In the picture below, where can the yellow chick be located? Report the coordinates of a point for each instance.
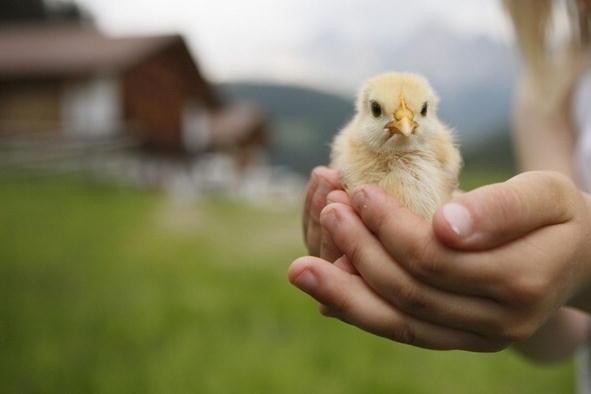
(396, 141)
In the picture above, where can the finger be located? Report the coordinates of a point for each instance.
(310, 191)
(411, 242)
(350, 299)
(339, 196)
(314, 238)
(327, 181)
(344, 263)
(316, 176)
(497, 214)
(324, 180)
(328, 250)
(398, 287)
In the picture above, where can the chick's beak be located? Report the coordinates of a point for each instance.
(402, 120)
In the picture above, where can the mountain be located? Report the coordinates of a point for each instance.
(473, 75)
(302, 120)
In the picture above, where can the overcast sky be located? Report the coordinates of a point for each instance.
(272, 39)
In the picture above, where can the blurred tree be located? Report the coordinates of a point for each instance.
(22, 10)
(62, 10)
(19, 11)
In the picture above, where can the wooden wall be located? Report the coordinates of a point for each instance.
(31, 106)
(156, 91)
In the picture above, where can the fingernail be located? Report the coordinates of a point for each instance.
(360, 198)
(329, 218)
(306, 281)
(329, 199)
(458, 218)
(323, 189)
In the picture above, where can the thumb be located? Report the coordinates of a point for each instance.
(496, 214)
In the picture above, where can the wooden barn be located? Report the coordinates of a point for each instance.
(75, 81)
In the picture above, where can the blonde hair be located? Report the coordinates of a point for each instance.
(553, 36)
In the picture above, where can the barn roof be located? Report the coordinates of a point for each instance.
(59, 50)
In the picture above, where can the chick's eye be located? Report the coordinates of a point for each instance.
(376, 109)
(424, 109)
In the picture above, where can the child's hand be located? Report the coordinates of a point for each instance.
(492, 267)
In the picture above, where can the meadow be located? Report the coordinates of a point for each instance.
(107, 289)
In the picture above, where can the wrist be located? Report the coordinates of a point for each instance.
(558, 338)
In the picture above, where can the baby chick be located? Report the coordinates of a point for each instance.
(396, 141)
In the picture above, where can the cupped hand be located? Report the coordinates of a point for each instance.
(491, 268)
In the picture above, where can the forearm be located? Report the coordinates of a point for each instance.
(558, 338)
(582, 297)
(543, 139)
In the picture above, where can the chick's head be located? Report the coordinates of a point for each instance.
(396, 110)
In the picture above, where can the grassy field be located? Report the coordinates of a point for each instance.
(105, 289)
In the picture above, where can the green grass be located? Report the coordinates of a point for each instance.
(108, 290)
